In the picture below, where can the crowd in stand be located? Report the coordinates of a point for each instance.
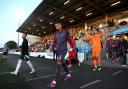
(41, 45)
(76, 34)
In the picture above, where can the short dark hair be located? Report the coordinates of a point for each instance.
(58, 23)
(97, 29)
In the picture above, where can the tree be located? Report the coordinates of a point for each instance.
(11, 44)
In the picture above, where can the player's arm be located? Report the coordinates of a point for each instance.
(70, 40)
(102, 33)
(79, 41)
(53, 44)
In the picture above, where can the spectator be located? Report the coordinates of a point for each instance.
(124, 49)
(110, 48)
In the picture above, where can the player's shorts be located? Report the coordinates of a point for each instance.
(96, 51)
(61, 55)
(24, 57)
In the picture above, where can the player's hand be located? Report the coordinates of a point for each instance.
(102, 30)
(86, 32)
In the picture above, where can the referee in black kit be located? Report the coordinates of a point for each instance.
(24, 56)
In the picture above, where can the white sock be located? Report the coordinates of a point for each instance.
(30, 65)
(95, 66)
(18, 66)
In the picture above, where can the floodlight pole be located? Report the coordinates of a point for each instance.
(18, 33)
(18, 38)
(18, 14)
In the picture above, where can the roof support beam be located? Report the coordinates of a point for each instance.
(92, 4)
(53, 7)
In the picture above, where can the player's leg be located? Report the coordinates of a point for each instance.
(60, 63)
(57, 73)
(68, 75)
(99, 63)
(94, 63)
(94, 59)
(98, 58)
(18, 66)
(27, 59)
(70, 63)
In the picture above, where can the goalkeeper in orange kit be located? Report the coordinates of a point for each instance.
(96, 48)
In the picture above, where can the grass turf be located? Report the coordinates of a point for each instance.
(8, 81)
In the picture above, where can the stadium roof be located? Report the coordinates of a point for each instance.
(69, 12)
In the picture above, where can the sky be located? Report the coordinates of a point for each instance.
(12, 14)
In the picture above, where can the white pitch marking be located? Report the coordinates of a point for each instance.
(89, 84)
(36, 69)
(44, 77)
(4, 73)
(117, 72)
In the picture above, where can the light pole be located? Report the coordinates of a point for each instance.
(19, 14)
(18, 32)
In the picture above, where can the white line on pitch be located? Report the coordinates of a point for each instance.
(89, 84)
(117, 72)
(4, 73)
(44, 77)
(36, 69)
